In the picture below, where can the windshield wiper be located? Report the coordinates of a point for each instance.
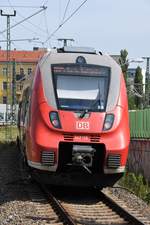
(92, 104)
(83, 113)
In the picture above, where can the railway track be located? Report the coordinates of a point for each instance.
(24, 201)
(90, 208)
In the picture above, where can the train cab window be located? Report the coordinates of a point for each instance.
(81, 87)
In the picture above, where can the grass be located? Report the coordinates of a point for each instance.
(137, 184)
(8, 134)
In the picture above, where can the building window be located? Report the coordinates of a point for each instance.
(29, 71)
(21, 71)
(1, 117)
(4, 100)
(18, 77)
(4, 71)
(4, 85)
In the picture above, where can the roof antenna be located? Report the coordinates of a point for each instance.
(65, 41)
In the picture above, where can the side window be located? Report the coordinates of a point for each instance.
(25, 106)
(22, 114)
(19, 114)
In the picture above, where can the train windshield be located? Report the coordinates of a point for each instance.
(79, 87)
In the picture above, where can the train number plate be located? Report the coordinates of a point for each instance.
(81, 138)
(82, 125)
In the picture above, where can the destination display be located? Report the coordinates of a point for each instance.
(81, 70)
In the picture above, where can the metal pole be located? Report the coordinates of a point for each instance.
(147, 82)
(14, 92)
(8, 118)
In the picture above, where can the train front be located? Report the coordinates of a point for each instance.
(79, 119)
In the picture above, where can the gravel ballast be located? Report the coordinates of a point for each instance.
(131, 200)
(16, 206)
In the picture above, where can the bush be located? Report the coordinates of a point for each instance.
(136, 184)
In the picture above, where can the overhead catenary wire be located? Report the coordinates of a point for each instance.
(21, 6)
(34, 25)
(44, 2)
(65, 11)
(47, 30)
(12, 41)
(66, 20)
(23, 39)
(39, 11)
(27, 28)
(16, 46)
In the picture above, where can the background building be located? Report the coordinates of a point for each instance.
(21, 64)
(132, 71)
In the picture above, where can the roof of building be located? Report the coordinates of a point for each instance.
(22, 56)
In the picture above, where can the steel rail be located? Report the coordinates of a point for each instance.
(56, 205)
(120, 210)
(67, 219)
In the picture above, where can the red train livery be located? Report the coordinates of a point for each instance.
(73, 118)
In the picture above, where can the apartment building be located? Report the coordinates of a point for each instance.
(21, 64)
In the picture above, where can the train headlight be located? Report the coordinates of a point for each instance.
(54, 118)
(108, 123)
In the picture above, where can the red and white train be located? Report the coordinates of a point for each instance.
(73, 118)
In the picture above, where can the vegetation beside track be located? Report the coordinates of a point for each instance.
(137, 184)
(10, 132)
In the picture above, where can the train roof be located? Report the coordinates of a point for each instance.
(72, 50)
(69, 55)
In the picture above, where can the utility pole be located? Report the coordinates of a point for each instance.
(13, 91)
(9, 108)
(147, 81)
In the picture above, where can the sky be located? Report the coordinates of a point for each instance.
(107, 25)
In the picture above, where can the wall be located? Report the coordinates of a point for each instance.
(24, 65)
(139, 152)
(139, 157)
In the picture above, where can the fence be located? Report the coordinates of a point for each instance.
(139, 154)
(140, 124)
(10, 118)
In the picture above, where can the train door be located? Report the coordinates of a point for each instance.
(24, 105)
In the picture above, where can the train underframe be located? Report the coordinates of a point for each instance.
(79, 164)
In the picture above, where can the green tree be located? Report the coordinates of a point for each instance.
(123, 61)
(138, 86)
(131, 102)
